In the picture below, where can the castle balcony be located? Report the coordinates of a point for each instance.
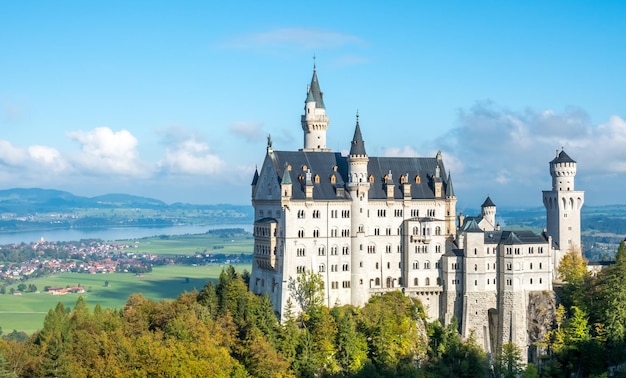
(421, 239)
(265, 262)
(413, 291)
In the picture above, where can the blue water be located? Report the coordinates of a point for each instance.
(114, 233)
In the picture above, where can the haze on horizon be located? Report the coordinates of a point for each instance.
(174, 100)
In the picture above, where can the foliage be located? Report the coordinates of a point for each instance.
(508, 363)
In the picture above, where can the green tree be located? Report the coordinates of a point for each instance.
(573, 266)
(394, 328)
(351, 345)
(613, 298)
(307, 290)
(508, 363)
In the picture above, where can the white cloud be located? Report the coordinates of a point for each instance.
(496, 149)
(108, 152)
(405, 151)
(11, 155)
(293, 38)
(48, 158)
(32, 160)
(187, 153)
(250, 131)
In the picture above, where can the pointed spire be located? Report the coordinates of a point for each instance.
(449, 188)
(358, 145)
(488, 203)
(286, 180)
(314, 94)
(255, 179)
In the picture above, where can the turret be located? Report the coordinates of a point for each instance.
(488, 212)
(358, 186)
(314, 120)
(563, 171)
(285, 184)
(563, 205)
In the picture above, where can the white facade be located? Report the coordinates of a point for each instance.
(369, 225)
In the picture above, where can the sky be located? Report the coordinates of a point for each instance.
(174, 100)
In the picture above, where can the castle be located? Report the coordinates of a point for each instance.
(368, 225)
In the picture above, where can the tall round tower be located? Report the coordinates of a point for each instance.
(563, 205)
(358, 185)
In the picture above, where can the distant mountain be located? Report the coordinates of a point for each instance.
(28, 201)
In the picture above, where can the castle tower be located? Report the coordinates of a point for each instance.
(563, 205)
(488, 211)
(314, 120)
(358, 185)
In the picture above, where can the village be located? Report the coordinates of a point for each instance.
(22, 262)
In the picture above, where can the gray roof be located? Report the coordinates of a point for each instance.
(488, 203)
(449, 188)
(471, 225)
(327, 164)
(514, 237)
(314, 93)
(255, 179)
(286, 179)
(562, 157)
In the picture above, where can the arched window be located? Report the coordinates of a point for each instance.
(416, 281)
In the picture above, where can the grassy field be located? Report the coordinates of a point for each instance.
(26, 312)
(193, 244)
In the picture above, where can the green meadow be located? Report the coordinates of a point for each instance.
(192, 244)
(26, 312)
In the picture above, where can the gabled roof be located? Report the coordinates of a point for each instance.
(562, 157)
(514, 237)
(471, 226)
(314, 93)
(328, 164)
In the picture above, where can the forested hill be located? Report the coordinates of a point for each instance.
(30, 209)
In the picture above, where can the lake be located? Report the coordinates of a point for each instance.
(112, 233)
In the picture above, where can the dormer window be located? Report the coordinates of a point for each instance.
(417, 179)
(304, 168)
(371, 179)
(317, 179)
(333, 179)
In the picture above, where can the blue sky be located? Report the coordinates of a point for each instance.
(173, 100)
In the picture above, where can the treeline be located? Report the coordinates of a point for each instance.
(588, 338)
(226, 331)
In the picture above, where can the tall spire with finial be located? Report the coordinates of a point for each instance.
(358, 145)
(314, 120)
